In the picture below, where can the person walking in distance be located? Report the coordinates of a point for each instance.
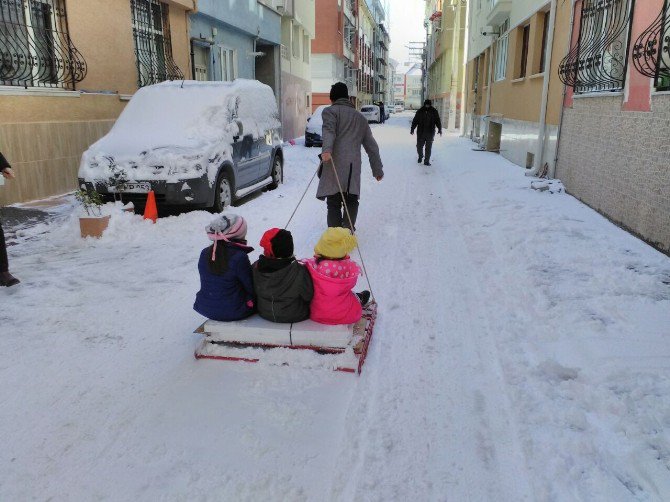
(426, 120)
(345, 130)
(6, 279)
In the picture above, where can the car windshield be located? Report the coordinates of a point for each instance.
(367, 109)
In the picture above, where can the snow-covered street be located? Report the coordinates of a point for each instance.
(522, 352)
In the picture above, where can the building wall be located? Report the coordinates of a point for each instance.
(624, 175)
(516, 101)
(43, 132)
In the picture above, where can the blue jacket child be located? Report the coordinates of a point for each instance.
(226, 285)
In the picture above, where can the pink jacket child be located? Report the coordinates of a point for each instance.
(334, 276)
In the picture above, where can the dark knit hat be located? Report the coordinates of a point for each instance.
(277, 243)
(428, 102)
(339, 91)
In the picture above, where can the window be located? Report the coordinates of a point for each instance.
(500, 71)
(525, 39)
(296, 41)
(228, 64)
(35, 47)
(153, 46)
(305, 48)
(598, 61)
(651, 52)
(545, 32)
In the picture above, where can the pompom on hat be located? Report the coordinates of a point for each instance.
(277, 243)
(336, 242)
(226, 227)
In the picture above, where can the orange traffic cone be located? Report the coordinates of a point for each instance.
(150, 210)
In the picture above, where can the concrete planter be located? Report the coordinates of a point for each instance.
(93, 226)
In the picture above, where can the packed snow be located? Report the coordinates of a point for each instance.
(521, 352)
(178, 130)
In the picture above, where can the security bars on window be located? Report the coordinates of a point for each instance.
(651, 52)
(153, 47)
(598, 61)
(35, 48)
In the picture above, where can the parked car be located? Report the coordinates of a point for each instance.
(371, 112)
(202, 144)
(387, 112)
(314, 128)
(399, 108)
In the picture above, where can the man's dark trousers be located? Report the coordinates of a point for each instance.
(337, 216)
(428, 142)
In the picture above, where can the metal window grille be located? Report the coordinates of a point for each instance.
(35, 48)
(651, 52)
(598, 61)
(153, 47)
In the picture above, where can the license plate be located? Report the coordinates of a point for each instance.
(136, 187)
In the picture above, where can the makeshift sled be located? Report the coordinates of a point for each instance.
(307, 343)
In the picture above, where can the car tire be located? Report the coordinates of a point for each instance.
(308, 145)
(277, 172)
(223, 197)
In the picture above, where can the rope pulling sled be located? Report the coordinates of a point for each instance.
(307, 343)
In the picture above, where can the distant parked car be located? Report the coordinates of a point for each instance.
(314, 128)
(372, 113)
(399, 108)
(387, 112)
(202, 144)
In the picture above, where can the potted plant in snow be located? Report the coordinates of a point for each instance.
(117, 182)
(93, 224)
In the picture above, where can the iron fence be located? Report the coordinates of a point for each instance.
(35, 47)
(153, 45)
(651, 51)
(599, 59)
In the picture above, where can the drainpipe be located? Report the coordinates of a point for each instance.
(552, 168)
(465, 92)
(545, 93)
(487, 114)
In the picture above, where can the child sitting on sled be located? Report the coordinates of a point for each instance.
(226, 287)
(335, 275)
(283, 285)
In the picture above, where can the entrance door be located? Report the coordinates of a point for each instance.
(201, 63)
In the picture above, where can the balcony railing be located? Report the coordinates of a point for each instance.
(651, 52)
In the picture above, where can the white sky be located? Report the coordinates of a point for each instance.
(406, 26)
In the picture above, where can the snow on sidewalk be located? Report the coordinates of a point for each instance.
(521, 353)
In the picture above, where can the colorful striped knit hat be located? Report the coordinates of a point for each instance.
(226, 227)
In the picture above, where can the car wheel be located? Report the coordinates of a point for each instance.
(277, 168)
(308, 145)
(224, 193)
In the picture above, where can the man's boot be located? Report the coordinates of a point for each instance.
(7, 279)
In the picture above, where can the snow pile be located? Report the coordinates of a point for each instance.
(180, 130)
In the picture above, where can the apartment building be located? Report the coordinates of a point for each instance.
(236, 39)
(334, 49)
(409, 85)
(614, 147)
(445, 25)
(68, 68)
(297, 33)
(366, 55)
(513, 91)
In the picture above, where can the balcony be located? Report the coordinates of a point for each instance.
(500, 10)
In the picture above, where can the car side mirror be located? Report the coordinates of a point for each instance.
(237, 129)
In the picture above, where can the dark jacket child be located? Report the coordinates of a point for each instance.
(283, 285)
(226, 288)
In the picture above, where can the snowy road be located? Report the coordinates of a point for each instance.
(522, 352)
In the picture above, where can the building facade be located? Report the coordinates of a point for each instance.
(366, 56)
(445, 25)
(334, 49)
(297, 33)
(409, 85)
(614, 147)
(513, 91)
(62, 87)
(236, 39)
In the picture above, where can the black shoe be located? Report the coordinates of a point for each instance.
(7, 279)
(427, 163)
(420, 159)
(363, 297)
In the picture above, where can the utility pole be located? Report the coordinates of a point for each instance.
(417, 52)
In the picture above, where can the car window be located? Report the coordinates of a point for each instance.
(367, 109)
